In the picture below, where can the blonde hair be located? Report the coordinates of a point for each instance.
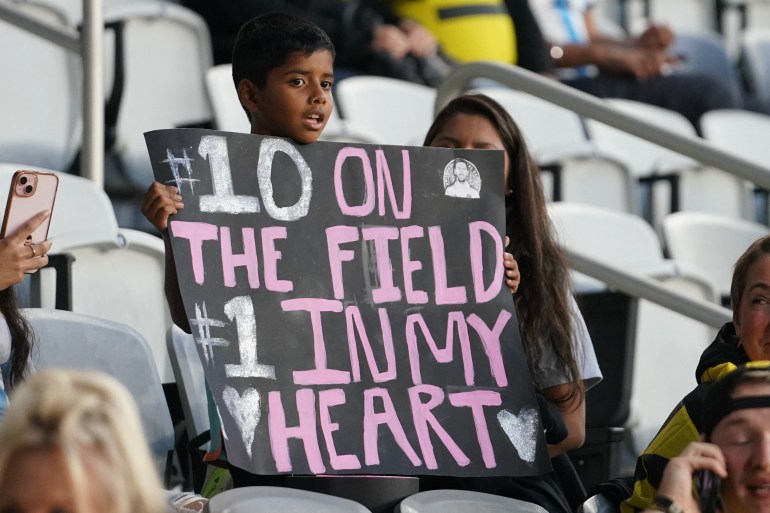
(93, 420)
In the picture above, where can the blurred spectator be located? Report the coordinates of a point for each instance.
(633, 68)
(73, 441)
(560, 37)
(368, 37)
(496, 30)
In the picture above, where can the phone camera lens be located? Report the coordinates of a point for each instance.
(23, 180)
(28, 189)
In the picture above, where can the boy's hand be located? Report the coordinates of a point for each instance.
(16, 257)
(512, 274)
(160, 202)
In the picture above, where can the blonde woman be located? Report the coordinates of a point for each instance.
(72, 442)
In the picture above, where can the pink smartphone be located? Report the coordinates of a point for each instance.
(31, 192)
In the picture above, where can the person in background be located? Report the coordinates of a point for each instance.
(368, 37)
(556, 342)
(481, 30)
(738, 342)
(730, 462)
(632, 68)
(73, 442)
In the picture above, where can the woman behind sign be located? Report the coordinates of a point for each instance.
(559, 350)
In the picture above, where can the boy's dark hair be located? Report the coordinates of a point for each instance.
(267, 41)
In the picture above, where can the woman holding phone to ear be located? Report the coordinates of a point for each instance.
(16, 259)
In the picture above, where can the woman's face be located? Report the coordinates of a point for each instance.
(752, 321)
(470, 131)
(35, 482)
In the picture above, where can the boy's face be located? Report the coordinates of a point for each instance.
(296, 101)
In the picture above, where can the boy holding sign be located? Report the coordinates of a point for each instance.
(383, 309)
(283, 74)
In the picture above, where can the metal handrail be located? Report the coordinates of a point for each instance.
(62, 36)
(646, 288)
(592, 107)
(92, 159)
(89, 45)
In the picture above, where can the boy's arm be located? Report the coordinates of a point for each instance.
(171, 287)
(160, 202)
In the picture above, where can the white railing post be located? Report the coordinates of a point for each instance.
(92, 156)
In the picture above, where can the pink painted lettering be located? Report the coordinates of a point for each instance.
(477, 261)
(444, 295)
(367, 207)
(280, 433)
(455, 322)
(326, 400)
(387, 417)
(387, 291)
(321, 375)
(271, 255)
(335, 236)
(385, 181)
(247, 259)
(490, 340)
(441, 355)
(196, 233)
(423, 417)
(413, 297)
(355, 325)
(476, 400)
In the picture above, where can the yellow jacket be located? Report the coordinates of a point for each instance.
(468, 30)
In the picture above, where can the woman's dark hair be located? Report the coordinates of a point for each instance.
(542, 305)
(21, 336)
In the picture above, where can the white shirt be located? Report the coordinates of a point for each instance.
(583, 349)
(563, 22)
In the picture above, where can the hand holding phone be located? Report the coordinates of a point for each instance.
(708, 486)
(18, 258)
(31, 193)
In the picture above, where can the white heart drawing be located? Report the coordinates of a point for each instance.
(521, 430)
(246, 409)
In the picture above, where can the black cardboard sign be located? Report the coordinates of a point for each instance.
(348, 305)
